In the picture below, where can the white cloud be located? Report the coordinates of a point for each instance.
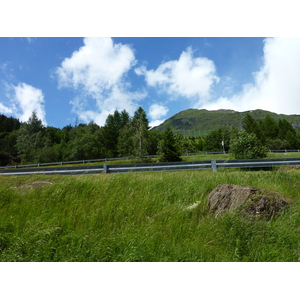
(190, 77)
(155, 123)
(156, 112)
(97, 70)
(23, 100)
(7, 71)
(116, 99)
(5, 110)
(276, 85)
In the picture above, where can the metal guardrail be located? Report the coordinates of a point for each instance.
(121, 158)
(174, 166)
(208, 164)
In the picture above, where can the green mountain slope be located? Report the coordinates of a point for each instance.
(195, 122)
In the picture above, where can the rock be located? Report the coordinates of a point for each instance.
(250, 201)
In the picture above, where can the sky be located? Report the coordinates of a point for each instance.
(75, 79)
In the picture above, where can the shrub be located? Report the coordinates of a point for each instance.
(247, 146)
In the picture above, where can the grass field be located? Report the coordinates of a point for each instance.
(142, 217)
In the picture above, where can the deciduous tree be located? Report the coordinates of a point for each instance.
(247, 146)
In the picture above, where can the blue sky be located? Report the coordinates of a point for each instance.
(88, 78)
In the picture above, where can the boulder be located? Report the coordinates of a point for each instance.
(247, 199)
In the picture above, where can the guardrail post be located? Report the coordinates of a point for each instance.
(105, 168)
(214, 165)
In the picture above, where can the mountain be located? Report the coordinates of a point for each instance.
(198, 122)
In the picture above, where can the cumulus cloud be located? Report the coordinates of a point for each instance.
(5, 110)
(115, 100)
(156, 112)
(23, 100)
(189, 76)
(98, 70)
(276, 85)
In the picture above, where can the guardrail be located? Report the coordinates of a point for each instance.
(207, 164)
(122, 158)
(173, 166)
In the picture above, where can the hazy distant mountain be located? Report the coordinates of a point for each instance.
(195, 122)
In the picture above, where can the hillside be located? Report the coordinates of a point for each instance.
(149, 217)
(195, 122)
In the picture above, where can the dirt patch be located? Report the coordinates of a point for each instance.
(247, 200)
(35, 184)
(288, 168)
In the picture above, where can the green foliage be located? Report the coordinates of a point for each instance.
(251, 126)
(125, 146)
(8, 150)
(111, 130)
(213, 140)
(269, 127)
(140, 127)
(154, 137)
(284, 127)
(8, 124)
(126, 136)
(247, 146)
(134, 138)
(277, 144)
(168, 150)
(30, 138)
(188, 144)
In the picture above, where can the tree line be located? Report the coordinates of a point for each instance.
(126, 136)
(121, 136)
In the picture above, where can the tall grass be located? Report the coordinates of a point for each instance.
(142, 217)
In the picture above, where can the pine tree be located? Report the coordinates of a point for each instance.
(251, 126)
(111, 130)
(167, 147)
(140, 125)
(270, 128)
(30, 137)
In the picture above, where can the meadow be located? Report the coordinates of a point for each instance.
(193, 157)
(147, 216)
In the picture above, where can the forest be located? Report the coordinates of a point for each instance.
(130, 136)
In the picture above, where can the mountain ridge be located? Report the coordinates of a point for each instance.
(198, 122)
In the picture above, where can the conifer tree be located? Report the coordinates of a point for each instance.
(30, 137)
(167, 147)
(270, 128)
(111, 130)
(140, 125)
(251, 126)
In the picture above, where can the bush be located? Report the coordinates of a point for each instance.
(247, 146)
